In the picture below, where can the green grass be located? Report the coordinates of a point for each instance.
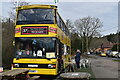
(5, 70)
(89, 70)
(117, 60)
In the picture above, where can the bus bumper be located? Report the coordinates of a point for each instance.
(41, 71)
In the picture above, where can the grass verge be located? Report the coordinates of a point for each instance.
(5, 70)
(117, 60)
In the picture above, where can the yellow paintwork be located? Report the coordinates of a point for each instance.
(38, 61)
(37, 6)
(60, 35)
(102, 54)
(41, 71)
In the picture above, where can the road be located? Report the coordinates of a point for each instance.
(105, 68)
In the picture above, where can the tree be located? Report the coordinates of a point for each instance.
(113, 38)
(8, 28)
(70, 26)
(116, 47)
(16, 3)
(87, 28)
(75, 39)
(75, 43)
(7, 39)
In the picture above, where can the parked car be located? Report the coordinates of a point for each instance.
(88, 53)
(113, 53)
(108, 52)
(103, 54)
(117, 55)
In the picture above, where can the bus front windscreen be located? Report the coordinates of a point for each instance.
(35, 16)
(35, 47)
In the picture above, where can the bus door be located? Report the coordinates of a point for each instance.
(60, 53)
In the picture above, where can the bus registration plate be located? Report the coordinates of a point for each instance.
(33, 71)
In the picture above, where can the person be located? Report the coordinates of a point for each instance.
(77, 58)
(19, 53)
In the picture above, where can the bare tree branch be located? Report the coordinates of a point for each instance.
(88, 27)
(15, 4)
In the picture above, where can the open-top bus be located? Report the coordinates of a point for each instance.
(42, 42)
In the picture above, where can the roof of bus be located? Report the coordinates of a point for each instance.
(37, 6)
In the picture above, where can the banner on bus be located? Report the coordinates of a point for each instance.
(34, 30)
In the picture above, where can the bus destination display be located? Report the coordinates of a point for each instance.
(35, 30)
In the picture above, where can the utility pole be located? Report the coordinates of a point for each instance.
(118, 40)
(1, 42)
(87, 43)
(82, 43)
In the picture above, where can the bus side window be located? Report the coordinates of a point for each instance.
(58, 21)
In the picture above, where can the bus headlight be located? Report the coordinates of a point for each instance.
(16, 65)
(51, 66)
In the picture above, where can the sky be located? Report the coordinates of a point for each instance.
(106, 11)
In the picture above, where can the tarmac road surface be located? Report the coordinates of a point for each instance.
(105, 69)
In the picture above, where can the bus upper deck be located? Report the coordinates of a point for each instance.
(40, 21)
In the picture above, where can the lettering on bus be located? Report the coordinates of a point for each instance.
(35, 30)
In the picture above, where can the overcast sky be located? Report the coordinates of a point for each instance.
(106, 11)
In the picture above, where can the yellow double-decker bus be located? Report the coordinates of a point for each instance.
(42, 42)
